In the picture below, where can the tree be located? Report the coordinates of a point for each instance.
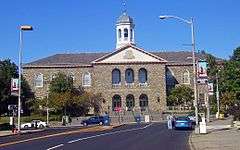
(66, 98)
(236, 55)
(9, 70)
(180, 95)
(229, 82)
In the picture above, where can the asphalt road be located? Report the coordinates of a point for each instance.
(154, 136)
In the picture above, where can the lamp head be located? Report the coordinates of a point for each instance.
(26, 27)
(162, 17)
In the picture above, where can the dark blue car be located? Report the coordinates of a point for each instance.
(183, 122)
(94, 120)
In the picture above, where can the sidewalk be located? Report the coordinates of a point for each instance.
(220, 136)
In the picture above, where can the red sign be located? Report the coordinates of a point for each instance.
(117, 109)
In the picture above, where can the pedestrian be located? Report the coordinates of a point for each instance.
(169, 118)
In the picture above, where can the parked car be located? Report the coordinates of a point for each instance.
(93, 120)
(183, 122)
(34, 124)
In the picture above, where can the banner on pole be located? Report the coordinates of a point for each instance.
(202, 69)
(14, 87)
(210, 88)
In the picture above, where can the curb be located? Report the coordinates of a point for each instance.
(117, 126)
(190, 143)
(22, 133)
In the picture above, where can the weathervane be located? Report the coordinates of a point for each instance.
(124, 5)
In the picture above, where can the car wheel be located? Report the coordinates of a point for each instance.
(100, 123)
(26, 127)
(41, 126)
(85, 124)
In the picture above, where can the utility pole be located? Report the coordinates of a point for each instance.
(208, 107)
(217, 96)
(47, 106)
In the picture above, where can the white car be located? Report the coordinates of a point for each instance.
(33, 124)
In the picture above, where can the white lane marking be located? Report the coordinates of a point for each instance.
(60, 145)
(109, 133)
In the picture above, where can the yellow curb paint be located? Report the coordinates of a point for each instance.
(91, 129)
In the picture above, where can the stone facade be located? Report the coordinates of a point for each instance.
(164, 71)
(155, 87)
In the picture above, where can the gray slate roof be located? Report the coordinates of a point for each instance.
(124, 18)
(181, 57)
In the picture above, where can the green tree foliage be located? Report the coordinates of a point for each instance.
(236, 55)
(230, 84)
(9, 70)
(180, 95)
(65, 98)
(212, 66)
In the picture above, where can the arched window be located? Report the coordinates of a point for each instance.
(38, 80)
(143, 101)
(130, 103)
(119, 33)
(125, 33)
(186, 77)
(71, 75)
(87, 79)
(116, 76)
(142, 75)
(129, 76)
(170, 80)
(116, 102)
(53, 76)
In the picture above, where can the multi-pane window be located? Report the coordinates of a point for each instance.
(116, 76)
(170, 80)
(116, 102)
(129, 76)
(142, 75)
(38, 80)
(130, 102)
(186, 77)
(143, 100)
(87, 79)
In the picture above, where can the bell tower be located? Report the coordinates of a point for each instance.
(124, 30)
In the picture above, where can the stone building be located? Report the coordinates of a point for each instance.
(129, 77)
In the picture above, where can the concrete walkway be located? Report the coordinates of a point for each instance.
(220, 136)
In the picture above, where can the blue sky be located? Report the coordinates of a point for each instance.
(74, 26)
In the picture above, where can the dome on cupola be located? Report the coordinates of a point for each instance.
(124, 18)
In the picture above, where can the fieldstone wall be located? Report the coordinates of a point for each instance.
(155, 88)
(101, 76)
(30, 73)
(102, 83)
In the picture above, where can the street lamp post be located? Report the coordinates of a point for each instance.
(191, 23)
(22, 28)
(217, 96)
